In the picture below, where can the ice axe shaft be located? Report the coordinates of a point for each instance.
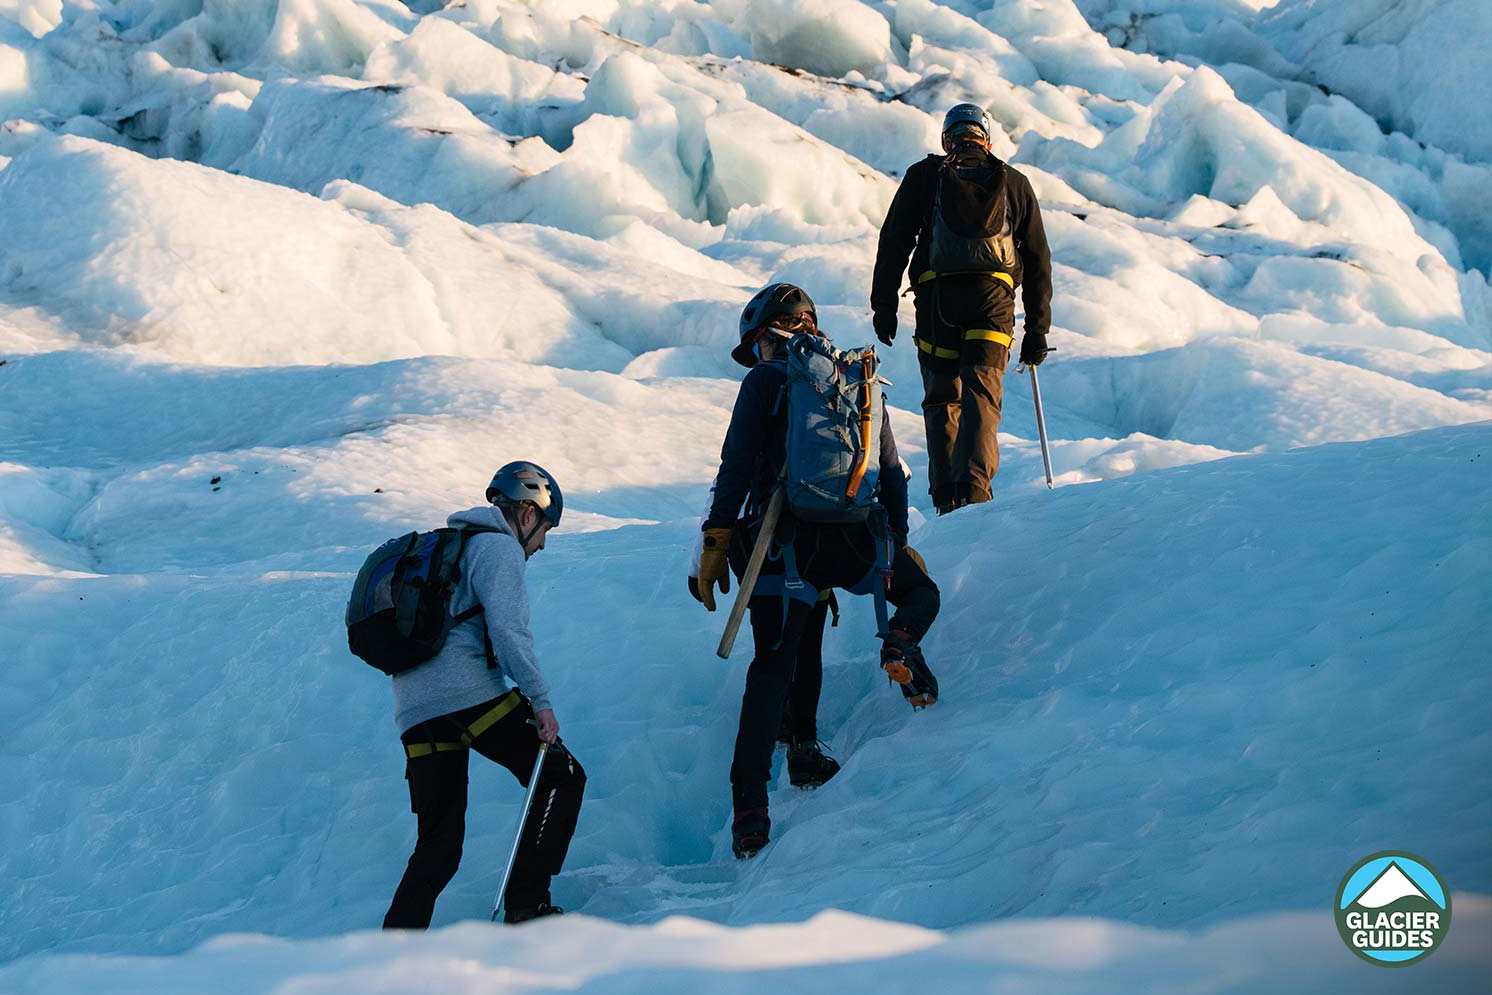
(528, 803)
(748, 579)
(1046, 449)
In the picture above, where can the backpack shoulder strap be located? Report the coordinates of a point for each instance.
(464, 534)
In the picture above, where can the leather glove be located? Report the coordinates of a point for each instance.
(885, 326)
(713, 567)
(1033, 348)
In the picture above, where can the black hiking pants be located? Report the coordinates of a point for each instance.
(437, 773)
(963, 345)
(828, 556)
(807, 683)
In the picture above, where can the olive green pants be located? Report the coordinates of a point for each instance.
(961, 409)
(963, 342)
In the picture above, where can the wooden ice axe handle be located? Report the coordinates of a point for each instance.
(753, 571)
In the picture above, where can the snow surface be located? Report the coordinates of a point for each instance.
(831, 953)
(1406, 63)
(281, 278)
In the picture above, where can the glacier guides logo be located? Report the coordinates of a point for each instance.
(1392, 909)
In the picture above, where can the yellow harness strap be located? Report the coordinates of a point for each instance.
(1004, 278)
(412, 750)
(981, 334)
(989, 335)
(937, 351)
(485, 721)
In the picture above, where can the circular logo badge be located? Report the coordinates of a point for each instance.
(1392, 909)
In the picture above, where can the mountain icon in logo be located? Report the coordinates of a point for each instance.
(1391, 886)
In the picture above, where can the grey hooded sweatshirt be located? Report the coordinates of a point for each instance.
(492, 573)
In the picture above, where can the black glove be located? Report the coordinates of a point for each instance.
(1033, 348)
(885, 326)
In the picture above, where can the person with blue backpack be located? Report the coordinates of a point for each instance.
(446, 614)
(809, 435)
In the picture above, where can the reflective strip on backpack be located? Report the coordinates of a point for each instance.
(1005, 278)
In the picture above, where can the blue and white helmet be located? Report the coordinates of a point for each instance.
(962, 116)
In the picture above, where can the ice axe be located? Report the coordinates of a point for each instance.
(528, 803)
(753, 571)
(1046, 449)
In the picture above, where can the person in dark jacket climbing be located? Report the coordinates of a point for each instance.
(827, 556)
(972, 227)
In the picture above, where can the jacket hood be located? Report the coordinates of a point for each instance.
(485, 516)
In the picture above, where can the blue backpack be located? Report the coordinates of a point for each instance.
(834, 413)
(832, 473)
(399, 613)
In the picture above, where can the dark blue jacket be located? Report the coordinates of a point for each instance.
(755, 450)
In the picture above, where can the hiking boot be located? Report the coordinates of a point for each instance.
(970, 493)
(951, 505)
(749, 832)
(513, 916)
(807, 765)
(943, 500)
(902, 660)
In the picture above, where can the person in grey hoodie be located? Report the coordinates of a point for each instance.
(459, 701)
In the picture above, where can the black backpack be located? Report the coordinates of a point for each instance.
(971, 218)
(400, 611)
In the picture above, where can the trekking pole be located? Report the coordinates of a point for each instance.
(528, 802)
(1046, 450)
(748, 579)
